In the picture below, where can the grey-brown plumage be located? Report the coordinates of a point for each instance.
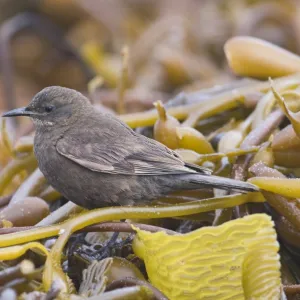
(96, 160)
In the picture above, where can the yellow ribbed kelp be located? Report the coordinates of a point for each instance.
(236, 260)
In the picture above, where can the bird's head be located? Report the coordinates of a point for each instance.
(53, 105)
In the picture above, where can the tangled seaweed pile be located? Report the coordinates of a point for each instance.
(169, 83)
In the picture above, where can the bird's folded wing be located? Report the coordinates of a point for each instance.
(145, 157)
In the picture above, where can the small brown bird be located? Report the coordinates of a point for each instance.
(96, 160)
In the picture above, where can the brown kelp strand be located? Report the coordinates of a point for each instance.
(291, 289)
(288, 232)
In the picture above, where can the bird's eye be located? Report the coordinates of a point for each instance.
(49, 108)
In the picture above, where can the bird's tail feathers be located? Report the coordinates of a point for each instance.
(223, 183)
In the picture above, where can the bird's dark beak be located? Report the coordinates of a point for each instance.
(18, 112)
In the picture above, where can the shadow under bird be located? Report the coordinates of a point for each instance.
(96, 160)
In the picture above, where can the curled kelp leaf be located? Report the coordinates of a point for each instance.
(205, 256)
(268, 101)
(291, 98)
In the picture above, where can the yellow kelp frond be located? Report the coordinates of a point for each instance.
(253, 57)
(100, 62)
(13, 252)
(190, 138)
(236, 260)
(261, 276)
(164, 129)
(288, 187)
